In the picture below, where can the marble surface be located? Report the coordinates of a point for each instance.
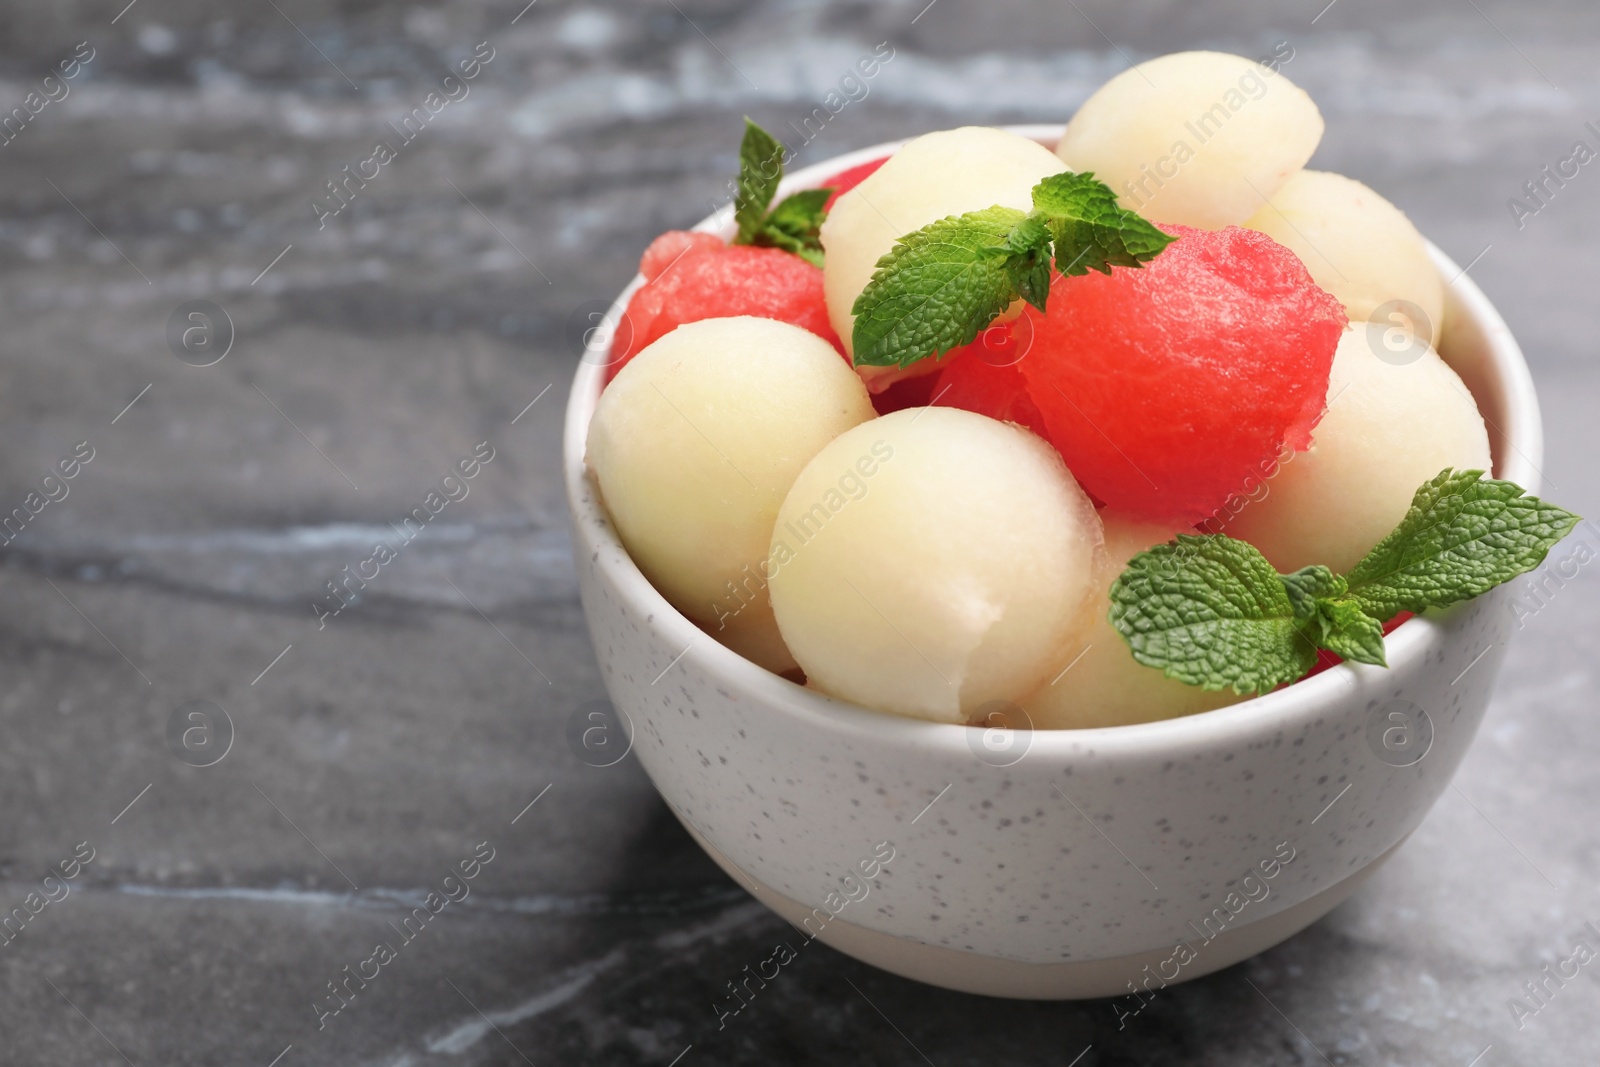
(374, 753)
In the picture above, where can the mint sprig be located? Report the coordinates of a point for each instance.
(1331, 621)
(1463, 536)
(951, 279)
(1210, 610)
(943, 285)
(1090, 231)
(796, 223)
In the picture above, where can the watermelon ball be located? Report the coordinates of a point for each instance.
(665, 250)
(1167, 387)
(985, 377)
(694, 276)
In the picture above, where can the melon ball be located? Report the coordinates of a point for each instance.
(950, 172)
(694, 445)
(1357, 246)
(1196, 138)
(931, 561)
(1096, 680)
(1391, 424)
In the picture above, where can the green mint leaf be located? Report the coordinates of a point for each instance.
(809, 251)
(795, 225)
(769, 238)
(760, 171)
(1030, 236)
(1464, 535)
(800, 214)
(1211, 611)
(1028, 262)
(1308, 586)
(1341, 627)
(1090, 230)
(777, 239)
(1329, 621)
(1031, 278)
(940, 287)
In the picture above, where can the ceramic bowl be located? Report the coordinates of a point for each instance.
(1056, 864)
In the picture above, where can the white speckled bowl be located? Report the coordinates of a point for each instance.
(1101, 861)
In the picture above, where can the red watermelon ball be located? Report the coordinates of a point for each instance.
(1167, 387)
(694, 276)
(986, 377)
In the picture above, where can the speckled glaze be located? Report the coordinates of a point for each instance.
(1096, 844)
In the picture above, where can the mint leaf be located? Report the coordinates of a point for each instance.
(760, 171)
(1090, 230)
(1211, 611)
(1464, 535)
(780, 240)
(1343, 628)
(799, 214)
(795, 225)
(940, 287)
(969, 268)
(1308, 585)
(1028, 245)
(1328, 621)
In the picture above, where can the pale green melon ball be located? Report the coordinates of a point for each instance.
(1359, 247)
(950, 172)
(931, 561)
(1096, 681)
(694, 445)
(1392, 423)
(1197, 138)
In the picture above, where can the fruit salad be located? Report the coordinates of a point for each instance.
(1129, 427)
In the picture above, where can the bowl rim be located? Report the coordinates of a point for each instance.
(1409, 644)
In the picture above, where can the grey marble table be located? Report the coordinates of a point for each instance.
(373, 751)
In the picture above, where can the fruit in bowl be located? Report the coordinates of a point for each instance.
(1077, 520)
(1174, 374)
